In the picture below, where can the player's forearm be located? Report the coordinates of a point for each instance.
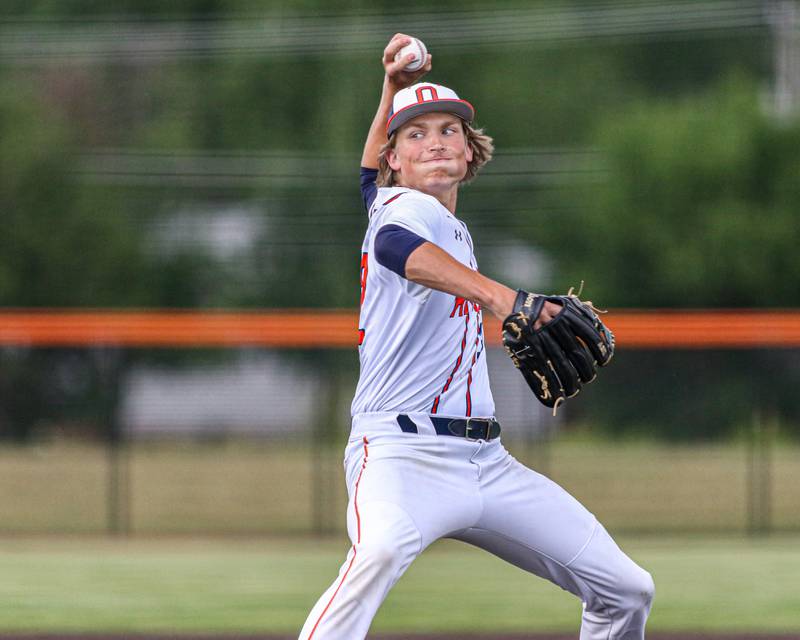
(376, 137)
(433, 267)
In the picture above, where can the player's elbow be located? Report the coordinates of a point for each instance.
(416, 269)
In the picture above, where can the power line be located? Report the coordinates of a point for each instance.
(311, 35)
(231, 169)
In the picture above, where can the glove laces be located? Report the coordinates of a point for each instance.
(588, 303)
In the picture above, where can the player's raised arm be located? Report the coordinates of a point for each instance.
(394, 80)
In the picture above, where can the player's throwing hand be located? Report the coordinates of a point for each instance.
(395, 74)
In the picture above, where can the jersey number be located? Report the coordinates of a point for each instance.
(364, 269)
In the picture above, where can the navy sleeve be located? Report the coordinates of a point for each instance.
(368, 188)
(393, 245)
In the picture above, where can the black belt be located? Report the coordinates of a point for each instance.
(470, 428)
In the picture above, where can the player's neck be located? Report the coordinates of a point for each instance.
(448, 200)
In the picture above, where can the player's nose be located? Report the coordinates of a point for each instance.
(436, 143)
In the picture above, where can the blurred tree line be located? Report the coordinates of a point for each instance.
(121, 176)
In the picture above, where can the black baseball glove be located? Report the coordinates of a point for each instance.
(562, 354)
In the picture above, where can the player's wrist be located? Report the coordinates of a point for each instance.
(500, 300)
(507, 297)
(391, 86)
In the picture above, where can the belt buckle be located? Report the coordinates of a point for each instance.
(467, 428)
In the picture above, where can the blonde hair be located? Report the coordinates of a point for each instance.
(482, 149)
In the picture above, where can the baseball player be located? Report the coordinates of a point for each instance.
(424, 460)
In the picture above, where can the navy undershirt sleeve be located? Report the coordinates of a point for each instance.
(368, 188)
(393, 245)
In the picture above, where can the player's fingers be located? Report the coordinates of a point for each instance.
(396, 66)
(399, 41)
(549, 311)
(416, 75)
(425, 68)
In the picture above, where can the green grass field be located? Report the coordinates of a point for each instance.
(199, 559)
(262, 586)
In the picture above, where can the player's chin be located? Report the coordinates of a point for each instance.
(444, 177)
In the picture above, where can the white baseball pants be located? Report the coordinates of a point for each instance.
(408, 490)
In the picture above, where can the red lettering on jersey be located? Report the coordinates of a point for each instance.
(461, 306)
(364, 269)
(364, 257)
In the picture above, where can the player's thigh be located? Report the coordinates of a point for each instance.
(523, 556)
(526, 507)
(418, 476)
(533, 523)
(600, 574)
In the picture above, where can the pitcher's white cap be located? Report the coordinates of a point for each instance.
(422, 98)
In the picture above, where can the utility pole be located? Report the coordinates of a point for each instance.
(784, 19)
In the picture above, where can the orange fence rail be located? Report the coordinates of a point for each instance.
(637, 329)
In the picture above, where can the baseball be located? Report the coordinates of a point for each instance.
(417, 47)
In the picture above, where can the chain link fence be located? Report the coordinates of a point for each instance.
(249, 442)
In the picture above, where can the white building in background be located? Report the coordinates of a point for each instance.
(255, 395)
(264, 394)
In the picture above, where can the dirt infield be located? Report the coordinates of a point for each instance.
(650, 636)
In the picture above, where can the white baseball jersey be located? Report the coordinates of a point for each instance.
(421, 350)
(411, 482)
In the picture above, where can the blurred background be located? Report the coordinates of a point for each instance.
(200, 157)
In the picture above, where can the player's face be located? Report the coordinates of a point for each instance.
(431, 153)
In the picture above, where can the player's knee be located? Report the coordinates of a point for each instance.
(383, 553)
(637, 590)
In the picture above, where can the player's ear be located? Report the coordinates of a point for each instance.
(391, 159)
(469, 150)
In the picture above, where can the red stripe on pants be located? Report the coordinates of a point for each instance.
(358, 540)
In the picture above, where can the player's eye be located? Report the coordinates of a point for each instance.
(415, 134)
